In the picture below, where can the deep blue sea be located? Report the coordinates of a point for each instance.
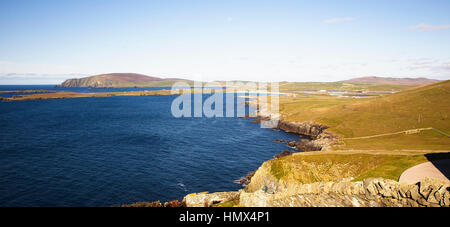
(120, 150)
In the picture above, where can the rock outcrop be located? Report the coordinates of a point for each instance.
(281, 175)
(322, 142)
(205, 199)
(285, 153)
(317, 138)
(309, 129)
(374, 192)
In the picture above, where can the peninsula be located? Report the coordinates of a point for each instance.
(65, 95)
(121, 80)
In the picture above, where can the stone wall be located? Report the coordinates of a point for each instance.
(374, 192)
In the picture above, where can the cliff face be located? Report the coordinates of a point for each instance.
(319, 138)
(284, 174)
(374, 192)
(321, 180)
(310, 129)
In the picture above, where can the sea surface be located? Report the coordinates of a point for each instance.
(120, 150)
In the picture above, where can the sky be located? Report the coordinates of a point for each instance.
(48, 41)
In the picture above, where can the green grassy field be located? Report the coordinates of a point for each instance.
(315, 167)
(421, 107)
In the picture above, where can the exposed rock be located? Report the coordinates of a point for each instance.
(375, 192)
(285, 153)
(276, 141)
(318, 138)
(173, 203)
(246, 180)
(306, 145)
(208, 199)
(256, 121)
(310, 129)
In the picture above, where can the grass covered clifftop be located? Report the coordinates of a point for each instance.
(420, 107)
(375, 141)
(305, 168)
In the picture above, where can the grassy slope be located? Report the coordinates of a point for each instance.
(387, 156)
(330, 167)
(316, 167)
(420, 107)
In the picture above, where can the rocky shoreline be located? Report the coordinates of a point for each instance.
(316, 138)
(372, 192)
(66, 95)
(263, 189)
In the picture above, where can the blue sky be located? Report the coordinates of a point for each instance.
(43, 41)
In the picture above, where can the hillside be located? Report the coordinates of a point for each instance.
(390, 80)
(340, 86)
(119, 80)
(421, 107)
(329, 178)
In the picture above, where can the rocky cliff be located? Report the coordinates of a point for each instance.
(318, 179)
(373, 192)
(310, 129)
(317, 138)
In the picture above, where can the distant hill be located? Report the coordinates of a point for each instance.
(112, 80)
(390, 80)
(418, 107)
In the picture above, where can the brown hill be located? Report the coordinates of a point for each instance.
(390, 80)
(119, 80)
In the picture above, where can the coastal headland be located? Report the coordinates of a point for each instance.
(359, 149)
(65, 95)
(355, 149)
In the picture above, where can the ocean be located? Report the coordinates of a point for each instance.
(121, 150)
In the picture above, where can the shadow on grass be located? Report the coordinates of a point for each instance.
(441, 161)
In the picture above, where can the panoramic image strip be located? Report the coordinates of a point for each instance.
(231, 104)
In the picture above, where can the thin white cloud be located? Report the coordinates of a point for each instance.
(229, 19)
(426, 27)
(429, 65)
(338, 20)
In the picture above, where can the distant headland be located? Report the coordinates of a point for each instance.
(390, 80)
(116, 80)
(123, 80)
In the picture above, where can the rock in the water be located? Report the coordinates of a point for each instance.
(285, 153)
